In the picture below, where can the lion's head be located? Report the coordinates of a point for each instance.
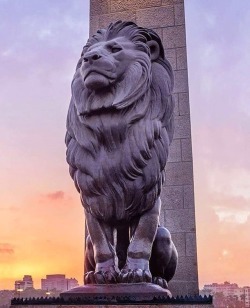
(115, 68)
(105, 63)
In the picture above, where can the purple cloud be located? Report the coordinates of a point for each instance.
(55, 196)
(6, 248)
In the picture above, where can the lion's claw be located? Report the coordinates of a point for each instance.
(101, 277)
(160, 282)
(111, 277)
(89, 278)
(135, 276)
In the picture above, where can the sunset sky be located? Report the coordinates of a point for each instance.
(41, 218)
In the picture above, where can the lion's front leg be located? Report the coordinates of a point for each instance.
(139, 250)
(102, 239)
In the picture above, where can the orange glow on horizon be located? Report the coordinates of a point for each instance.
(43, 241)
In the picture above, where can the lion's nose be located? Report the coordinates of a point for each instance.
(89, 57)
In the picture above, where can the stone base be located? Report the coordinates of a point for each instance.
(128, 292)
(162, 302)
(132, 295)
(118, 306)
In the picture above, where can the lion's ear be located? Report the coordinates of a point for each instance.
(154, 50)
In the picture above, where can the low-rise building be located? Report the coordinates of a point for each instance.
(58, 282)
(247, 296)
(25, 283)
(229, 290)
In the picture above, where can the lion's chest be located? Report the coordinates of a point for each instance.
(116, 163)
(106, 132)
(101, 145)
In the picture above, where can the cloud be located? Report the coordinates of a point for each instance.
(10, 208)
(231, 202)
(233, 216)
(231, 209)
(223, 243)
(6, 248)
(221, 199)
(219, 67)
(55, 196)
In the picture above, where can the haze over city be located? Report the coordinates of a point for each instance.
(41, 217)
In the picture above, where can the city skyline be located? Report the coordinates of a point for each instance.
(46, 282)
(68, 277)
(223, 293)
(41, 218)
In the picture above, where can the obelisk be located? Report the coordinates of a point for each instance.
(167, 18)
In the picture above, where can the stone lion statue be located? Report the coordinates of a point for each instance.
(119, 128)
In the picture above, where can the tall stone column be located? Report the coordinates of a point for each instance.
(166, 17)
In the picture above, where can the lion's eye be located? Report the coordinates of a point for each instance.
(115, 49)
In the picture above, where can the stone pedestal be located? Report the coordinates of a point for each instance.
(146, 295)
(130, 292)
(117, 306)
(166, 17)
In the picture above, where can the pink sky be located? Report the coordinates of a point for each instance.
(41, 219)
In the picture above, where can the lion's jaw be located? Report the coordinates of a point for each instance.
(98, 75)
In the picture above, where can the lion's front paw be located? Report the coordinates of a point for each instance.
(101, 277)
(161, 282)
(89, 278)
(135, 270)
(135, 276)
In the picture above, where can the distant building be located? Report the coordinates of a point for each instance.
(228, 289)
(58, 282)
(247, 296)
(24, 284)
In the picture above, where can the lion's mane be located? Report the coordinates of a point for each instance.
(118, 141)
